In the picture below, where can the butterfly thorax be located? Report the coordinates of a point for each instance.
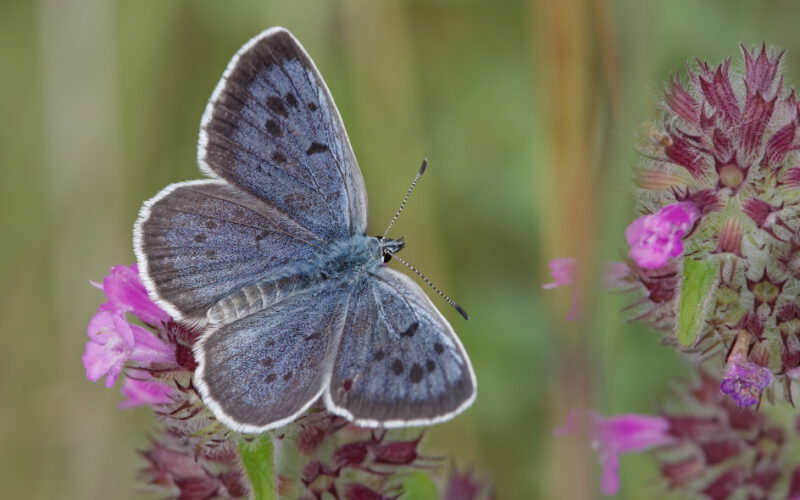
(346, 260)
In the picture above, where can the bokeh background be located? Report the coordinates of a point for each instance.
(527, 111)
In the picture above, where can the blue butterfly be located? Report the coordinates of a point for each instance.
(270, 257)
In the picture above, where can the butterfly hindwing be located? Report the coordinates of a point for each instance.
(399, 362)
(272, 129)
(199, 241)
(262, 371)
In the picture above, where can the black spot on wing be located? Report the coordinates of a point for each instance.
(210, 224)
(291, 99)
(267, 362)
(430, 365)
(278, 158)
(270, 378)
(411, 330)
(275, 104)
(379, 355)
(397, 367)
(311, 106)
(200, 237)
(316, 148)
(273, 128)
(416, 373)
(438, 348)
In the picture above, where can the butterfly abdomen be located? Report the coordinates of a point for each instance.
(344, 260)
(257, 297)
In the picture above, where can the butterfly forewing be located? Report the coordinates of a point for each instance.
(198, 242)
(272, 129)
(399, 362)
(262, 371)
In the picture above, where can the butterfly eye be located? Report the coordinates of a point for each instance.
(387, 257)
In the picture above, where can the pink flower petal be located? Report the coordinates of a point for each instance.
(99, 362)
(125, 292)
(105, 326)
(145, 392)
(631, 432)
(612, 436)
(109, 346)
(653, 239)
(563, 271)
(609, 477)
(147, 348)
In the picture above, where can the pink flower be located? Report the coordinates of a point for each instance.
(145, 391)
(125, 291)
(113, 341)
(563, 271)
(655, 238)
(613, 436)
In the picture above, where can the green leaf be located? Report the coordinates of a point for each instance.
(418, 485)
(256, 455)
(697, 291)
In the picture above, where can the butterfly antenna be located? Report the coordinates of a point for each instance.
(428, 282)
(408, 194)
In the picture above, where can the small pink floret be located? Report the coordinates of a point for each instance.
(125, 291)
(563, 271)
(113, 341)
(109, 347)
(147, 391)
(653, 239)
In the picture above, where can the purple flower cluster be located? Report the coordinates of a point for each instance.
(727, 147)
(722, 451)
(114, 341)
(718, 183)
(346, 462)
(191, 456)
(194, 457)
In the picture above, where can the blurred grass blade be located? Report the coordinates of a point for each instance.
(418, 485)
(257, 461)
(699, 284)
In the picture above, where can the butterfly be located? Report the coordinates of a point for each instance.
(270, 257)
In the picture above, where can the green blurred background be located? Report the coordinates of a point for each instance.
(527, 111)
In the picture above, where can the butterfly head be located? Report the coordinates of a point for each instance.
(389, 247)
